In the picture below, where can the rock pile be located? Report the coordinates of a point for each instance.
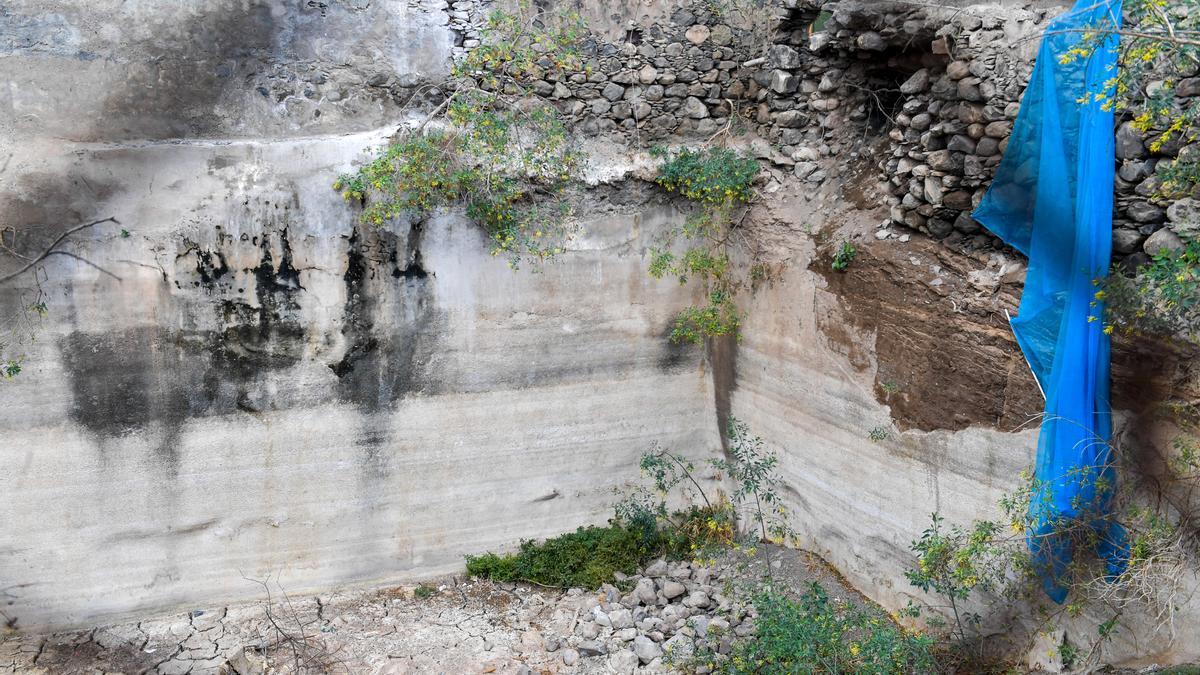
(671, 611)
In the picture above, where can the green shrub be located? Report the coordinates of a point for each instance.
(844, 256)
(508, 163)
(720, 182)
(1162, 299)
(817, 635)
(713, 176)
(716, 318)
(586, 558)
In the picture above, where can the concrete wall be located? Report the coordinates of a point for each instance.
(112, 70)
(255, 385)
(267, 389)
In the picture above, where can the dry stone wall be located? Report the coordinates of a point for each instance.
(943, 86)
(929, 94)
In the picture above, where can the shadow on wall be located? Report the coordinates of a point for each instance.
(223, 68)
(178, 91)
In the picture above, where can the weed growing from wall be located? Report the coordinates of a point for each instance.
(489, 146)
(844, 256)
(719, 184)
(1161, 299)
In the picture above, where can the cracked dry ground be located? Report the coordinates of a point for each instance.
(466, 626)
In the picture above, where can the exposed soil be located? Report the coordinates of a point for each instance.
(946, 357)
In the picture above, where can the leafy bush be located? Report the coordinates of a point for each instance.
(1158, 53)
(508, 162)
(756, 482)
(713, 176)
(989, 562)
(817, 635)
(693, 531)
(1163, 298)
(955, 562)
(719, 181)
(755, 497)
(586, 558)
(844, 256)
(718, 317)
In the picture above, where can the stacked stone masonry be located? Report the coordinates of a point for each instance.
(927, 95)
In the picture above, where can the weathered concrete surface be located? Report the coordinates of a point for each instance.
(269, 389)
(828, 358)
(252, 384)
(111, 70)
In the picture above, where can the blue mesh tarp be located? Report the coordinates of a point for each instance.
(1052, 200)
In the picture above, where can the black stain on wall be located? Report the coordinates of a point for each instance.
(388, 320)
(132, 379)
(675, 354)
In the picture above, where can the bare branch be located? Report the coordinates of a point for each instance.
(50, 250)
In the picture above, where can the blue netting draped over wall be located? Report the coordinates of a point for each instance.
(1052, 200)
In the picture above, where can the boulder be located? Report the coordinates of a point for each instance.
(1184, 217)
(695, 108)
(698, 34)
(783, 56)
(613, 91)
(1162, 240)
(783, 82)
(871, 41)
(674, 589)
(1126, 240)
(589, 648)
(917, 83)
(623, 662)
(1129, 142)
(646, 649)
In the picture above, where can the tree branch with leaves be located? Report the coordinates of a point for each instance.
(490, 145)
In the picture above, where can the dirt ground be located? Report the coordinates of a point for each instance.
(463, 626)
